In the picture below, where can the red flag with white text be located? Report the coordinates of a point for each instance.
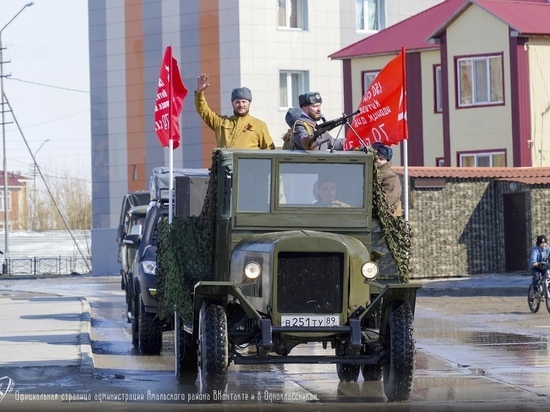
(383, 109)
(169, 102)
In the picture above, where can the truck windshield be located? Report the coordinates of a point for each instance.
(318, 185)
(303, 185)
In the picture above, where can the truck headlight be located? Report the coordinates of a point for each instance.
(369, 270)
(149, 266)
(252, 270)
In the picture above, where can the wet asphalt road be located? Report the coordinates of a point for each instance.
(475, 351)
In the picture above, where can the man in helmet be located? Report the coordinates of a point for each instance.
(539, 256)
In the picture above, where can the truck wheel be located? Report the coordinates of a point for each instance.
(372, 372)
(399, 347)
(185, 354)
(347, 372)
(213, 348)
(128, 303)
(149, 331)
(135, 321)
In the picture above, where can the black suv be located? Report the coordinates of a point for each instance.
(147, 327)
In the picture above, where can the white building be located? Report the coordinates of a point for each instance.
(277, 48)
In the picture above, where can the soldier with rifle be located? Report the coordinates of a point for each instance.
(307, 133)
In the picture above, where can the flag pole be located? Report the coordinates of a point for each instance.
(170, 144)
(405, 140)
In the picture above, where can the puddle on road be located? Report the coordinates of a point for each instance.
(521, 360)
(499, 338)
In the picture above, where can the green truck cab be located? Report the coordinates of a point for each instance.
(287, 259)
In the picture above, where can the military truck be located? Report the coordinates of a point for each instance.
(273, 262)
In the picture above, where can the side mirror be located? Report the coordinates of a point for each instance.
(131, 241)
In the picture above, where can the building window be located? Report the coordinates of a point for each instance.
(292, 14)
(291, 85)
(438, 104)
(2, 207)
(488, 159)
(368, 79)
(370, 15)
(440, 161)
(480, 81)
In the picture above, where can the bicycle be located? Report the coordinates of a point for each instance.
(536, 295)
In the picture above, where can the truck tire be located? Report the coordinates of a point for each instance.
(149, 331)
(372, 372)
(400, 349)
(213, 348)
(129, 308)
(185, 354)
(347, 372)
(135, 321)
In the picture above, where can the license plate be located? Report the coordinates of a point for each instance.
(310, 320)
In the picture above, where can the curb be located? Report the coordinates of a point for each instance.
(472, 291)
(86, 353)
(45, 276)
(494, 284)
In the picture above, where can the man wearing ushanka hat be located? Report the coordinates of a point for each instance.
(238, 131)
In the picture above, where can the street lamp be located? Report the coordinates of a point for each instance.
(36, 151)
(35, 168)
(6, 208)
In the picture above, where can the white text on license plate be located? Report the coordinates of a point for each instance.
(310, 320)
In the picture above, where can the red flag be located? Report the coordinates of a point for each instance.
(383, 109)
(169, 103)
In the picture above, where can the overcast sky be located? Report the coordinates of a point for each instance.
(45, 50)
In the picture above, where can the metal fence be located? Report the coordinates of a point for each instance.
(55, 252)
(60, 265)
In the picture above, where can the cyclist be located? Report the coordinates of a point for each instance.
(539, 256)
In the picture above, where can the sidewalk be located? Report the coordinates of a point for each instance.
(492, 284)
(44, 330)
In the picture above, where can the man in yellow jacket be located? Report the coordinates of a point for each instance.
(239, 131)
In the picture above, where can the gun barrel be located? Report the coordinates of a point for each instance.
(331, 124)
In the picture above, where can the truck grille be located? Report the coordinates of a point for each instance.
(310, 282)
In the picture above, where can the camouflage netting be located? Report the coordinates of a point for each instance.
(397, 231)
(185, 251)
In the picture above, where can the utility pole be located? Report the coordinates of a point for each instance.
(5, 162)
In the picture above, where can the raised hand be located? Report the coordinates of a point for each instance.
(202, 82)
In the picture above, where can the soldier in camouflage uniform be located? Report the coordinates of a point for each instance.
(389, 179)
(304, 126)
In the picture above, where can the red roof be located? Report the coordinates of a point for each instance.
(14, 179)
(527, 175)
(411, 33)
(414, 33)
(527, 17)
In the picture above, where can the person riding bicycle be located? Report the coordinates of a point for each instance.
(539, 256)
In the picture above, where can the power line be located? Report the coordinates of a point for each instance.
(48, 85)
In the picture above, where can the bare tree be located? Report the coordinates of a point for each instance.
(67, 195)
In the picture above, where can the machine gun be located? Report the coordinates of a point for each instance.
(331, 124)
